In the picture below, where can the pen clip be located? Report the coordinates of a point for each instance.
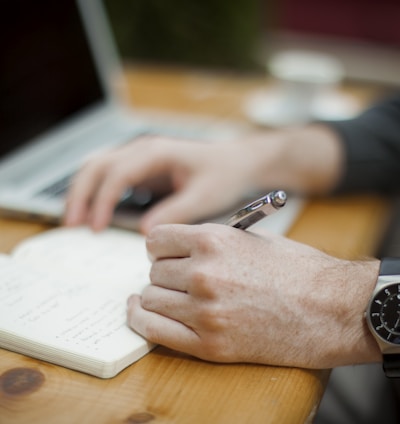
(258, 209)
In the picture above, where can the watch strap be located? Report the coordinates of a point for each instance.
(391, 365)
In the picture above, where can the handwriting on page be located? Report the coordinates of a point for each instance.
(92, 326)
(47, 309)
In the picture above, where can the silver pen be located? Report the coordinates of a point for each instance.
(258, 209)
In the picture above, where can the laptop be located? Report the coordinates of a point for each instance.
(58, 103)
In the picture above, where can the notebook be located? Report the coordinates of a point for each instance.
(63, 298)
(58, 76)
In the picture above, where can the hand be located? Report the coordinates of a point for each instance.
(227, 295)
(205, 178)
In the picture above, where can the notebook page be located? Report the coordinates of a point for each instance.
(69, 322)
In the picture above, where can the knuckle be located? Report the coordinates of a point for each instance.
(211, 317)
(208, 241)
(201, 284)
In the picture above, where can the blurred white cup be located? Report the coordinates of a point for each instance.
(302, 76)
(306, 86)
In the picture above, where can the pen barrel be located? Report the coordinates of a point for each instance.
(257, 210)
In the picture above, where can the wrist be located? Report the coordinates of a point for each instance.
(358, 342)
(306, 160)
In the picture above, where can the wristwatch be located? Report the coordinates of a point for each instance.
(383, 315)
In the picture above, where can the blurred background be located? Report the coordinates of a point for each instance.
(242, 34)
(210, 33)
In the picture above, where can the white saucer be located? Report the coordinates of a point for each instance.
(270, 108)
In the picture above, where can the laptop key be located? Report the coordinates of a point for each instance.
(57, 189)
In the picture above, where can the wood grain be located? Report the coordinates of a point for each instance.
(165, 386)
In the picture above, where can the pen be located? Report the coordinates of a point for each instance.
(258, 209)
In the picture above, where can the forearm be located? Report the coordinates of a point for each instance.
(360, 154)
(307, 159)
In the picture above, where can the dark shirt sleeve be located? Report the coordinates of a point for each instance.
(372, 145)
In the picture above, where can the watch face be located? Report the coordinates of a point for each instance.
(384, 313)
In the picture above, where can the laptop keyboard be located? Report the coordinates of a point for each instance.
(138, 198)
(57, 189)
(60, 186)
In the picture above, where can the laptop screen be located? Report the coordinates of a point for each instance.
(47, 73)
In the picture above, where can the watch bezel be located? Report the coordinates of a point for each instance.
(384, 281)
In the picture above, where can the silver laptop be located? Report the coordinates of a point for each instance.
(58, 103)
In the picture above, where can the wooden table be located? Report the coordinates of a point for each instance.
(165, 386)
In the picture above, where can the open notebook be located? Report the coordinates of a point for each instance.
(63, 295)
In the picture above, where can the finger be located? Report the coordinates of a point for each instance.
(122, 171)
(173, 304)
(110, 191)
(191, 204)
(82, 189)
(101, 183)
(170, 241)
(171, 274)
(160, 329)
(179, 207)
(87, 180)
